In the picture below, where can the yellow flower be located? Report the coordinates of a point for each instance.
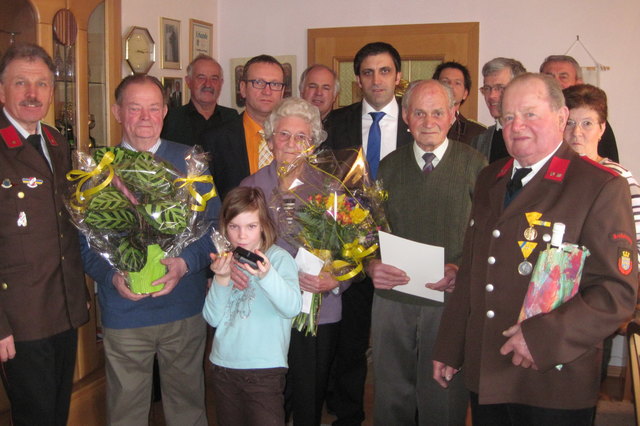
(358, 215)
(331, 202)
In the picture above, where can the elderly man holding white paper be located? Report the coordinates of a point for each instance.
(430, 184)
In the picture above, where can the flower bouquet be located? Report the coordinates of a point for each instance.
(135, 209)
(332, 209)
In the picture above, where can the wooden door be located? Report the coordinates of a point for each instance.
(425, 44)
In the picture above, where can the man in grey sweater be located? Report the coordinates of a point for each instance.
(430, 184)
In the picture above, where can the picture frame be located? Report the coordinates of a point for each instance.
(200, 38)
(170, 44)
(174, 91)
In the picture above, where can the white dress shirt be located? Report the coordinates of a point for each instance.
(388, 127)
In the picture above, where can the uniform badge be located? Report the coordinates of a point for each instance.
(32, 182)
(624, 261)
(6, 183)
(22, 219)
(620, 236)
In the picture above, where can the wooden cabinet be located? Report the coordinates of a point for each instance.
(95, 73)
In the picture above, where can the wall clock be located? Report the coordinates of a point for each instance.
(139, 50)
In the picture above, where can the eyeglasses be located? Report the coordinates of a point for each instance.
(299, 138)
(276, 86)
(584, 124)
(486, 90)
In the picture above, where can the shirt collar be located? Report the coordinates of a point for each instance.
(438, 152)
(250, 123)
(24, 133)
(535, 168)
(391, 109)
(152, 150)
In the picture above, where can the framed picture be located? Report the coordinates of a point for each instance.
(173, 89)
(170, 42)
(290, 80)
(200, 38)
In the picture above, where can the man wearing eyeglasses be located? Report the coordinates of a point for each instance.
(238, 148)
(497, 73)
(187, 123)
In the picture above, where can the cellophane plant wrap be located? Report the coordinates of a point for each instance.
(327, 204)
(136, 209)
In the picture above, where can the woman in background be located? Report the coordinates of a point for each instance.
(587, 122)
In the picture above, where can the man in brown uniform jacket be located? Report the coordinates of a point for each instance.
(546, 369)
(43, 299)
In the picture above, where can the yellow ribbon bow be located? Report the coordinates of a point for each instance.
(201, 200)
(356, 252)
(83, 196)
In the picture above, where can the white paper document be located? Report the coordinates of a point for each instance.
(311, 264)
(422, 263)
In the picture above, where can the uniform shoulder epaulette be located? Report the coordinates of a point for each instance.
(598, 165)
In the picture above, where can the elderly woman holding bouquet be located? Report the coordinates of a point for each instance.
(293, 131)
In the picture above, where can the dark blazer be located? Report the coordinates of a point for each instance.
(344, 128)
(42, 289)
(185, 124)
(593, 203)
(464, 130)
(229, 162)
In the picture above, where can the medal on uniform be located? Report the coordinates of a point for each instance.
(530, 233)
(32, 182)
(6, 183)
(525, 267)
(526, 247)
(22, 219)
(533, 218)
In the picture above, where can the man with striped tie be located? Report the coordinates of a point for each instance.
(430, 185)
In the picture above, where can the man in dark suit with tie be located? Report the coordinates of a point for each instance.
(376, 125)
(497, 73)
(43, 295)
(238, 148)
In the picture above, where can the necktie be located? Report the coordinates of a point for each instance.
(34, 140)
(515, 184)
(373, 143)
(265, 156)
(428, 159)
